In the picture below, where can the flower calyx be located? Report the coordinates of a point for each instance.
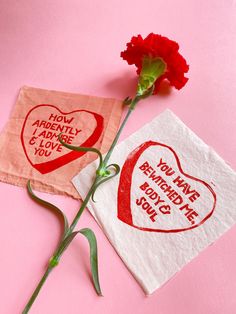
(152, 69)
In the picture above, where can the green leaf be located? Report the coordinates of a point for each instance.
(65, 243)
(127, 101)
(82, 149)
(89, 234)
(112, 175)
(46, 204)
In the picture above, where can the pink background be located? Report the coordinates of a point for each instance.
(74, 46)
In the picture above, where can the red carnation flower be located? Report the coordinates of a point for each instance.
(157, 47)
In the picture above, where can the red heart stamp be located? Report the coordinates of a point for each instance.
(43, 124)
(155, 194)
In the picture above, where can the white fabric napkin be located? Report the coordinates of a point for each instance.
(173, 197)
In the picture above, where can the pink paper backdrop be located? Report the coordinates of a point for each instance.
(74, 46)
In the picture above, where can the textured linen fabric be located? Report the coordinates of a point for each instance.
(29, 146)
(173, 198)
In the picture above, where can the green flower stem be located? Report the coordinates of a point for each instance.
(36, 291)
(84, 204)
(105, 161)
(131, 108)
(59, 251)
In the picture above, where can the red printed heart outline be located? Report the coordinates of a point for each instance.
(124, 189)
(49, 166)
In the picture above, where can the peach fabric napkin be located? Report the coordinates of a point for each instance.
(29, 146)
